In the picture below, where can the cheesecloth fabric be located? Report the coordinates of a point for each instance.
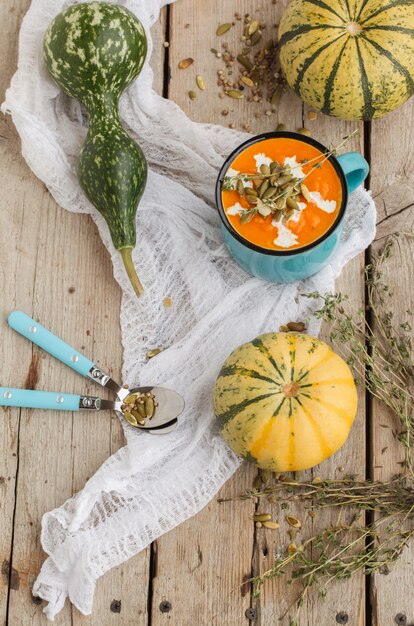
(155, 483)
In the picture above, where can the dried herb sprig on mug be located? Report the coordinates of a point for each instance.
(378, 351)
(275, 189)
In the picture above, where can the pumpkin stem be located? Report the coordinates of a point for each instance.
(290, 390)
(126, 254)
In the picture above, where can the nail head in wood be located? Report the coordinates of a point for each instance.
(401, 619)
(165, 606)
(251, 613)
(115, 606)
(342, 617)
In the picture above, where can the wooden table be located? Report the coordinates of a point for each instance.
(190, 577)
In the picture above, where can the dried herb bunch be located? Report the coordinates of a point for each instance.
(393, 497)
(337, 553)
(378, 351)
(275, 189)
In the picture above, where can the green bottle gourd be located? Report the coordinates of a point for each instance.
(93, 52)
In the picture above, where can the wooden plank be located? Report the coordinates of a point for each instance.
(55, 453)
(392, 175)
(14, 359)
(206, 595)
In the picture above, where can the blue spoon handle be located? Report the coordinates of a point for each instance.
(39, 399)
(46, 340)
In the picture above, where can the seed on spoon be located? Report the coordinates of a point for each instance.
(131, 398)
(149, 407)
(130, 418)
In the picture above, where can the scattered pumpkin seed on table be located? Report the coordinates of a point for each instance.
(200, 82)
(185, 63)
(222, 29)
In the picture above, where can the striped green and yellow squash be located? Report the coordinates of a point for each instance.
(93, 52)
(285, 401)
(353, 59)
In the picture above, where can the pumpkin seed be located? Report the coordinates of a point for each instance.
(312, 115)
(304, 131)
(312, 514)
(245, 61)
(293, 521)
(283, 179)
(234, 93)
(271, 524)
(283, 329)
(250, 191)
(292, 204)
(149, 407)
(192, 94)
(247, 81)
(280, 203)
(296, 326)
(131, 398)
(130, 418)
(269, 193)
(262, 517)
(240, 187)
(274, 167)
(292, 548)
(280, 128)
(317, 480)
(305, 192)
(273, 179)
(151, 353)
(185, 63)
(263, 187)
(289, 214)
(251, 199)
(265, 169)
(247, 216)
(139, 411)
(222, 29)
(200, 82)
(253, 27)
(256, 37)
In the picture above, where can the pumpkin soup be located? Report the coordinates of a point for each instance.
(281, 194)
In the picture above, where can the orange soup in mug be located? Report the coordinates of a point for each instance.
(282, 199)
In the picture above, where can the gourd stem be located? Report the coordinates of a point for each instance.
(126, 254)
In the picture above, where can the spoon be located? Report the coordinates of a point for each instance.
(170, 403)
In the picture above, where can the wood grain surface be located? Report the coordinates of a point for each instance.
(191, 576)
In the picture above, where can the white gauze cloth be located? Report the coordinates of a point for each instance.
(155, 482)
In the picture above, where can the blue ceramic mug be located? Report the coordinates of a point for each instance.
(284, 266)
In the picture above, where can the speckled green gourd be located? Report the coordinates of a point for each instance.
(93, 52)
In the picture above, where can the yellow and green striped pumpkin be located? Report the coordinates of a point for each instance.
(285, 401)
(353, 59)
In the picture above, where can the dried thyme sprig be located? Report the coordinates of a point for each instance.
(339, 552)
(387, 498)
(378, 352)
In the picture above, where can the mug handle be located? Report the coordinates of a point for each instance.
(355, 168)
